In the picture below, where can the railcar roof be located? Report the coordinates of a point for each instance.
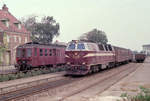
(41, 45)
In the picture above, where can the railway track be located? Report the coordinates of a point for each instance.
(28, 91)
(118, 74)
(65, 81)
(22, 86)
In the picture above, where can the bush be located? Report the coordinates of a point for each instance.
(20, 75)
(12, 76)
(4, 78)
(29, 74)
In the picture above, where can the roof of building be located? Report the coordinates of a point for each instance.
(6, 15)
(148, 45)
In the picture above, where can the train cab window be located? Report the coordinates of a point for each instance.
(46, 52)
(101, 47)
(41, 52)
(35, 51)
(106, 47)
(50, 52)
(110, 48)
(72, 46)
(29, 52)
(80, 46)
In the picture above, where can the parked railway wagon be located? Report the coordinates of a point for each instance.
(33, 55)
(86, 57)
(139, 57)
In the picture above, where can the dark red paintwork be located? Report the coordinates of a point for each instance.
(82, 62)
(140, 57)
(55, 55)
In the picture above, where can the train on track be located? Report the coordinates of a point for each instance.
(87, 57)
(139, 57)
(32, 55)
(80, 57)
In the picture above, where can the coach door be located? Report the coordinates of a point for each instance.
(54, 56)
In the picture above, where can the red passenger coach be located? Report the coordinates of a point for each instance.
(122, 55)
(87, 57)
(33, 55)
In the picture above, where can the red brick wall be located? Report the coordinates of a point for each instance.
(16, 39)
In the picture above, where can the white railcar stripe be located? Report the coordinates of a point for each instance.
(99, 54)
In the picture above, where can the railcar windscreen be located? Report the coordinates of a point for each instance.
(71, 46)
(80, 46)
(76, 46)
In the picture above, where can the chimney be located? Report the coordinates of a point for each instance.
(5, 8)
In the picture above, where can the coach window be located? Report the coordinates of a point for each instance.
(29, 52)
(110, 48)
(58, 52)
(106, 47)
(41, 52)
(35, 51)
(45, 52)
(50, 52)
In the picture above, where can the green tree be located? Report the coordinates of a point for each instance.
(42, 31)
(95, 35)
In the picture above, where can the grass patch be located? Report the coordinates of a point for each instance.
(144, 95)
(29, 74)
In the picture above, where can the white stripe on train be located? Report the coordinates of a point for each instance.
(99, 54)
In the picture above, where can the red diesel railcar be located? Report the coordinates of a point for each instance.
(33, 55)
(87, 57)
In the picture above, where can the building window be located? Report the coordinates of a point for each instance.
(18, 25)
(26, 40)
(5, 22)
(19, 39)
(15, 39)
(8, 39)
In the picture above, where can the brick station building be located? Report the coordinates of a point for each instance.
(12, 33)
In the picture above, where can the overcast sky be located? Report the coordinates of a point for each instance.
(126, 22)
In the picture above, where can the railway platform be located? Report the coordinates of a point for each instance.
(25, 81)
(129, 84)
